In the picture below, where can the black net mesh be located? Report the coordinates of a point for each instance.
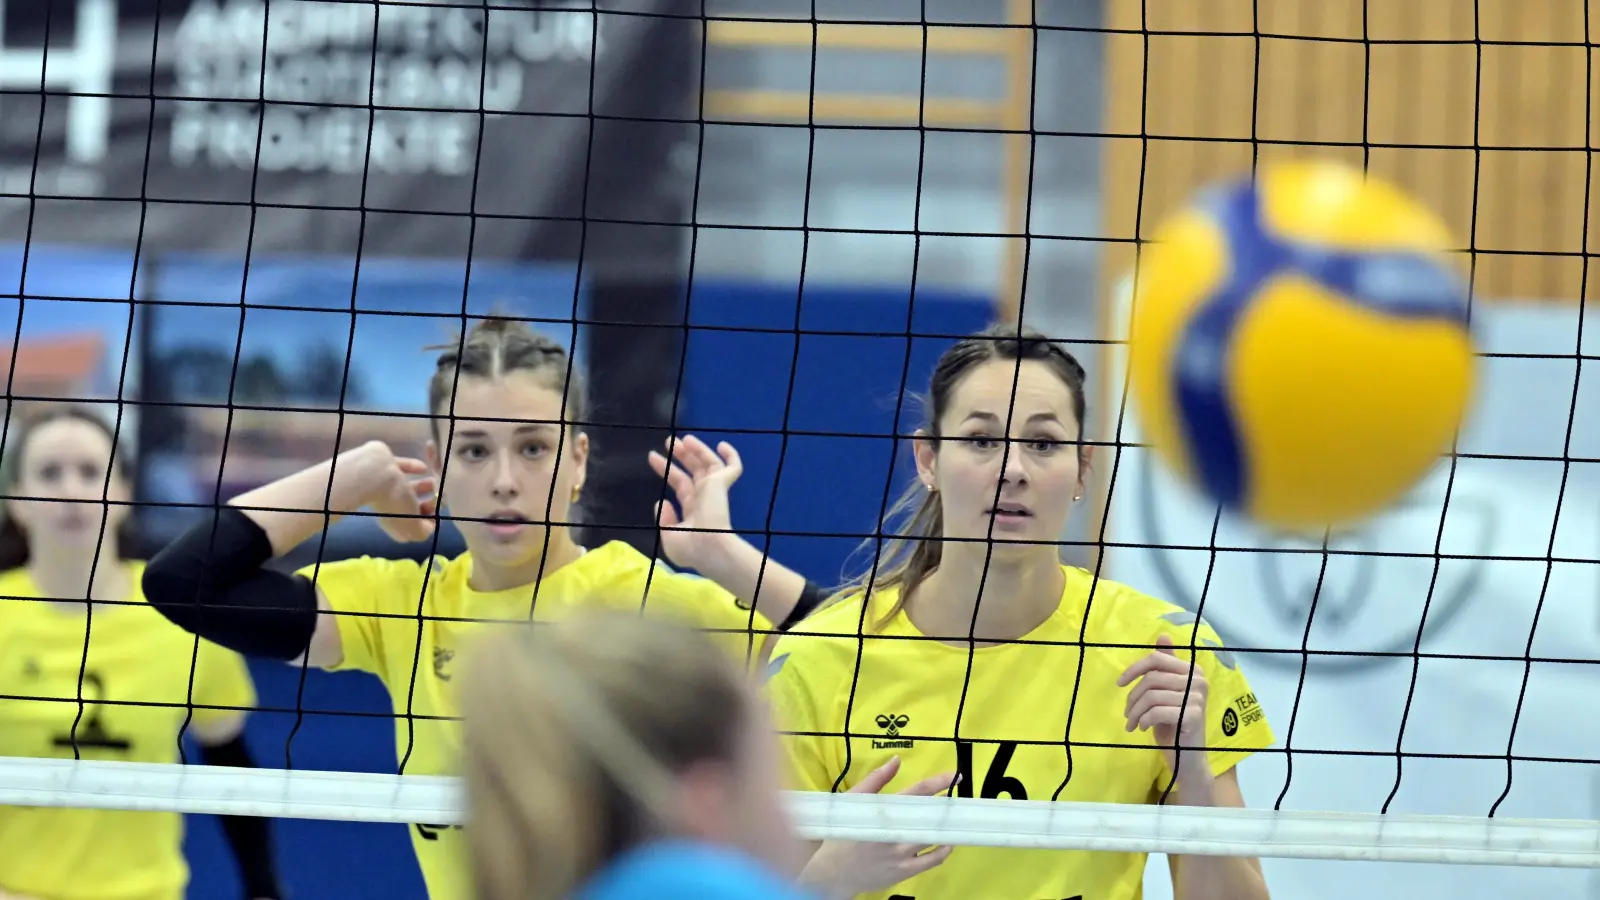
(229, 228)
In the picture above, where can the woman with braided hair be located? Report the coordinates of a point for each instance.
(507, 460)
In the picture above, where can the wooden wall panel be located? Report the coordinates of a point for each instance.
(1481, 114)
(1474, 105)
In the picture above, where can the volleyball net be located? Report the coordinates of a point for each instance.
(236, 223)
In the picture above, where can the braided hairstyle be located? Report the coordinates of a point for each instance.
(496, 347)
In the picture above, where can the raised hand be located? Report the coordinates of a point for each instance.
(847, 868)
(699, 479)
(404, 495)
(1159, 681)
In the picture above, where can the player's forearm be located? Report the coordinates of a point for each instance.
(294, 508)
(1212, 877)
(747, 573)
(1218, 878)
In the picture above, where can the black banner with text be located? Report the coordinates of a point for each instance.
(344, 146)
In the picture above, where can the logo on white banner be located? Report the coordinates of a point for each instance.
(1371, 598)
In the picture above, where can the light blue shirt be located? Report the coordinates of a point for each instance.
(679, 870)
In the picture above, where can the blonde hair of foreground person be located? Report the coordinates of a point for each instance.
(606, 754)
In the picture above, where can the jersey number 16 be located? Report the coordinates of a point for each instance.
(996, 783)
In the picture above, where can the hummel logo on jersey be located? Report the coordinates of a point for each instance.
(891, 725)
(441, 663)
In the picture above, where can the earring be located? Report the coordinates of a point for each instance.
(577, 491)
(1077, 498)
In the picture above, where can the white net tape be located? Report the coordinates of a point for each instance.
(360, 797)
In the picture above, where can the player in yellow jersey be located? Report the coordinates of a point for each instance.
(107, 680)
(508, 458)
(960, 655)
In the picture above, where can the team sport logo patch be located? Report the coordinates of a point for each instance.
(1243, 712)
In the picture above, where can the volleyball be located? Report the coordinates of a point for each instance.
(1299, 344)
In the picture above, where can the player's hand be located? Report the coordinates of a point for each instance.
(1157, 700)
(699, 479)
(848, 868)
(403, 493)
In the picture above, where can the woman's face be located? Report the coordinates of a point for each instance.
(67, 476)
(508, 467)
(1006, 466)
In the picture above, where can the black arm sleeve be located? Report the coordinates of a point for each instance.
(250, 837)
(210, 582)
(811, 597)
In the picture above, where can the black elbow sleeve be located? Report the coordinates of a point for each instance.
(211, 582)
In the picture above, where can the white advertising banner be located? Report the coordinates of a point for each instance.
(1442, 659)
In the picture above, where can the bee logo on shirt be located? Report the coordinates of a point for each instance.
(891, 725)
(441, 663)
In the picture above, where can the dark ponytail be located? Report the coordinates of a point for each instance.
(13, 542)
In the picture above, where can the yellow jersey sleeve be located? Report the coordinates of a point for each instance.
(222, 683)
(1236, 726)
(618, 576)
(802, 710)
(370, 597)
(705, 604)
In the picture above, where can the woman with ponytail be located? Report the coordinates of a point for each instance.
(971, 647)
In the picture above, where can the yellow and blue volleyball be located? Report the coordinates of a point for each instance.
(1299, 345)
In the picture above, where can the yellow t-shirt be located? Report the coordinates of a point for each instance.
(135, 656)
(1005, 728)
(406, 623)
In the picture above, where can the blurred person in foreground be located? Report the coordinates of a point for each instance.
(607, 757)
(87, 668)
